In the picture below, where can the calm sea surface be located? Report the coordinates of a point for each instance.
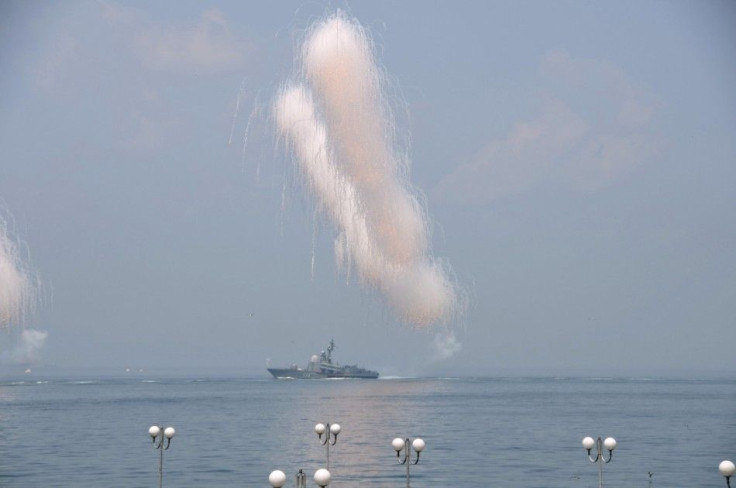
(488, 432)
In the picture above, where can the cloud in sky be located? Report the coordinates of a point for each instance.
(62, 53)
(84, 38)
(75, 62)
(208, 47)
(593, 126)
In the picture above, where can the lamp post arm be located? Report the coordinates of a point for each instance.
(398, 455)
(407, 453)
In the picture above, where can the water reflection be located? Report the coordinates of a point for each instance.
(371, 414)
(484, 432)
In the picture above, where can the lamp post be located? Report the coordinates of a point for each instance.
(160, 433)
(400, 444)
(277, 478)
(727, 469)
(330, 439)
(609, 443)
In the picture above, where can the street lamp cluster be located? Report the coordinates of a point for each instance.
(726, 468)
(322, 477)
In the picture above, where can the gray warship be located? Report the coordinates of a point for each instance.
(320, 367)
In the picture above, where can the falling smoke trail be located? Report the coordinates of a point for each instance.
(17, 283)
(241, 93)
(335, 119)
(253, 114)
(314, 244)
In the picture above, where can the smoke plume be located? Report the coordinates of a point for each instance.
(335, 118)
(17, 285)
(27, 348)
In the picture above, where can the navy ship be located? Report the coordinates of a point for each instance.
(322, 367)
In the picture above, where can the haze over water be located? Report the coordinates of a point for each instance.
(504, 432)
(166, 169)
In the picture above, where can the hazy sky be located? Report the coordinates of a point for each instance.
(577, 161)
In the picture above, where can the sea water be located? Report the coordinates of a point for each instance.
(487, 432)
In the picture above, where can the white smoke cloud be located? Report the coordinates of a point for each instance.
(335, 118)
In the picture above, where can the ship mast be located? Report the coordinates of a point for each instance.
(330, 348)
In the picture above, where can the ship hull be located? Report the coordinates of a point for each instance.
(301, 374)
(296, 374)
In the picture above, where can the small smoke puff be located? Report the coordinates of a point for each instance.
(29, 346)
(16, 285)
(335, 119)
(446, 345)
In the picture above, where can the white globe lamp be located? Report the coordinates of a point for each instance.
(610, 443)
(397, 444)
(277, 478)
(418, 445)
(727, 469)
(154, 431)
(322, 477)
(588, 443)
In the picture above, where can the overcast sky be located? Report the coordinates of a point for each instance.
(577, 161)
